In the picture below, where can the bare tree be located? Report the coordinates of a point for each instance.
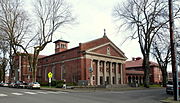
(161, 51)
(14, 22)
(145, 18)
(50, 16)
(13, 25)
(3, 58)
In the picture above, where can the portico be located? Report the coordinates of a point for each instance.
(107, 70)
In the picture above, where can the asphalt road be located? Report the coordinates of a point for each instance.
(13, 95)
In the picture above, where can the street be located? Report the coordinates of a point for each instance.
(13, 95)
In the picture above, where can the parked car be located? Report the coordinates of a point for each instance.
(24, 85)
(34, 85)
(1, 84)
(18, 84)
(5, 84)
(169, 87)
(12, 85)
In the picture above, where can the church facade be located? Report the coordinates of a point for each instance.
(96, 62)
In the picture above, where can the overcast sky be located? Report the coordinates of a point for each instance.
(93, 16)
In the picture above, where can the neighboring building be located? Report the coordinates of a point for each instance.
(135, 71)
(96, 62)
(21, 70)
(170, 76)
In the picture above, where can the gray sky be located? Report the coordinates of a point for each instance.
(92, 17)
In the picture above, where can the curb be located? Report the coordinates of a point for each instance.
(83, 90)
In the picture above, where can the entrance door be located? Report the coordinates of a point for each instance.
(107, 78)
(101, 80)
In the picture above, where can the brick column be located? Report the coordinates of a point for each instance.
(105, 72)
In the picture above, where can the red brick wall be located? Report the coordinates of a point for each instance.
(58, 47)
(103, 50)
(71, 61)
(157, 75)
(87, 66)
(124, 73)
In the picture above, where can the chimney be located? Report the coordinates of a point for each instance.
(133, 59)
(61, 45)
(138, 58)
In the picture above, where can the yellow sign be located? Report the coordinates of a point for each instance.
(50, 75)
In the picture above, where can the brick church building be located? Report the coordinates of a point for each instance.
(95, 62)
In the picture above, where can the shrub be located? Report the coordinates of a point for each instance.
(44, 84)
(60, 85)
(71, 84)
(53, 83)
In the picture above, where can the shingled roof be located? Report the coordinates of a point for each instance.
(137, 62)
(94, 43)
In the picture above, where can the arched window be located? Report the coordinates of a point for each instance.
(53, 72)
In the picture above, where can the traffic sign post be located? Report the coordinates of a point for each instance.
(50, 77)
(50, 82)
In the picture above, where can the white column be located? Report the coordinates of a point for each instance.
(90, 74)
(98, 72)
(116, 75)
(111, 82)
(105, 72)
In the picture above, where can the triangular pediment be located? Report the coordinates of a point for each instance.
(108, 49)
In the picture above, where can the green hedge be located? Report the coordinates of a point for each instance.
(57, 83)
(44, 83)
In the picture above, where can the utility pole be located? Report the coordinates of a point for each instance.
(173, 52)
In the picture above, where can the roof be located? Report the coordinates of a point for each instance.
(93, 43)
(60, 52)
(137, 62)
(90, 44)
(61, 41)
(97, 42)
(41, 56)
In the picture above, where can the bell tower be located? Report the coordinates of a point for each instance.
(61, 45)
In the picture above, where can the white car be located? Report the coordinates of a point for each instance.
(34, 85)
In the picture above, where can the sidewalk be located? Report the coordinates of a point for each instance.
(83, 89)
(169, 100)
